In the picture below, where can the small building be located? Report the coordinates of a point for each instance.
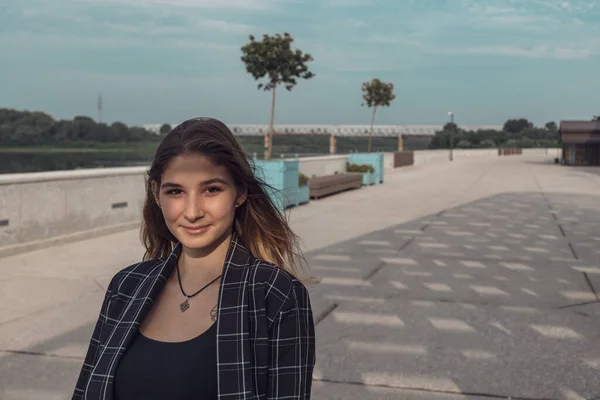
(581, 142)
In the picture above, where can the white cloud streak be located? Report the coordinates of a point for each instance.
(209, 4)
(515, 51)
(58, 41)
(348, 3)
(355, 23)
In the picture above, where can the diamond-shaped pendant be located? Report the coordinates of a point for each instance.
(184, 306)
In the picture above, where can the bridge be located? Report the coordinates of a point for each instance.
(339, 130)
(470, 279)
(335, 131)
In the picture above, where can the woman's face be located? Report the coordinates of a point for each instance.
(198, 200)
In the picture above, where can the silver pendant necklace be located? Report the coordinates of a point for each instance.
(186, 304)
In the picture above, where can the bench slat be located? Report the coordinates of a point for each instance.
(329, 184)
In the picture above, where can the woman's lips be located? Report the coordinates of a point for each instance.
(196, 230)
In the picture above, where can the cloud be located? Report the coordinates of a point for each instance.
(392, 39)
(515, 51)
(212, 4)
(355, 23)
(496, 17)
(187, 26)
(348, 3)
(59, 41)
(79, 27)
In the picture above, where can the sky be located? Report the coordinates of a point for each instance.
(158, 61)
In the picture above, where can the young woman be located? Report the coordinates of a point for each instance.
(217, 308)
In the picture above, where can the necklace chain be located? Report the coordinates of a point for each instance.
(185, 305)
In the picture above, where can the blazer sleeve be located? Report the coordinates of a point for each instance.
(94, 345)
(292, 348)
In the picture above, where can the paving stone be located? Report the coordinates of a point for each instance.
(504, 351)
(490, 282)
(353, 391)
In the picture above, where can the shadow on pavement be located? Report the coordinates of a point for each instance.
(494, 298)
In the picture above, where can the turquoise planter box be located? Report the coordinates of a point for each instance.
(303, 194)
(368, 178)
(282, 176)
(373, 159)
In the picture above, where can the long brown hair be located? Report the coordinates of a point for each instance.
(259, 224)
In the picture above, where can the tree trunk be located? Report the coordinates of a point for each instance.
(371, 130)
(271, 129)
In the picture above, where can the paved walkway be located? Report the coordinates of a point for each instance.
(473, 280)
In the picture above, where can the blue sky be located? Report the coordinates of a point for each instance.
(160, 61)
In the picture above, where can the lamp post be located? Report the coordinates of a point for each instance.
(451, 114)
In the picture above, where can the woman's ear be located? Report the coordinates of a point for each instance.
(155, 193)
(241, 199)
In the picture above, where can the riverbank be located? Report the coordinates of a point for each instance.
(84, 148)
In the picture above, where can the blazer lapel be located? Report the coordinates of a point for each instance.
(233, 340)
(123, 331)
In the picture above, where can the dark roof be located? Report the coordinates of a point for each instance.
(579, 127)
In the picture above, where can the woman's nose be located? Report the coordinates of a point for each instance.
(193, 208)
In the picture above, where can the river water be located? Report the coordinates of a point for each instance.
(18, 162)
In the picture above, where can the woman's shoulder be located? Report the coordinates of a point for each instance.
(279, 285)
(129, 277)
(267, 273)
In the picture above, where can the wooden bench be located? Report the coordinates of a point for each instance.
(510, 151)
(329, 184)
(404, 158)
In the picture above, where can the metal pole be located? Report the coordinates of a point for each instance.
(100, 108)
(451, 136)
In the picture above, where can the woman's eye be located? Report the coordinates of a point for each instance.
(174, 192)
(213, 189)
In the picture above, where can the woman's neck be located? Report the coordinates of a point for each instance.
(206, 264)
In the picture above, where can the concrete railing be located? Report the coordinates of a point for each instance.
(423, 157)
(37, 207)
(323, 165)
(437, 156)
(40, 209)
(556, 152)
(329, 165)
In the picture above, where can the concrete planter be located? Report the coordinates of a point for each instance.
(373, 159)
(303, 194)
(282, 176)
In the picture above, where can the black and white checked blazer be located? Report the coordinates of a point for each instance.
(265, 330)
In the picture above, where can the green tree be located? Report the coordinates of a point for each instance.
(551, 126)
(377, 94)
(516, 125)
(463, 144)
(487, 144)
(164, 129)
(596, 118)
(27, 128)
(273, 58)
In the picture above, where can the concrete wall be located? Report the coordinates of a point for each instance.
(423, 157)
(38, 209)
(543, 152)
(38, 206)
(326, 165)
(388, 160)
(329, 165)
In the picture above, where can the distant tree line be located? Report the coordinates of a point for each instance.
(33, 128)
(515, 133)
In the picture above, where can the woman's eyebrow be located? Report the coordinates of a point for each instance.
(204, 183)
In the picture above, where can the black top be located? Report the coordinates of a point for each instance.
(152, 370)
